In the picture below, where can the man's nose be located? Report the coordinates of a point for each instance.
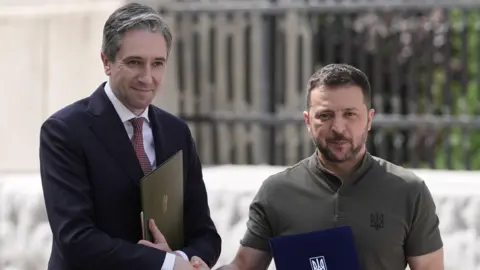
(146, 76)
(339, 125)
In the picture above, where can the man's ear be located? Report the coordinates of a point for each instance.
(306, 118)
(106, 64)
(371, 113)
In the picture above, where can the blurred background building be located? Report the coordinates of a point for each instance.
(237, 74)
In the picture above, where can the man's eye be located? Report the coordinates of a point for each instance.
(323, 116)
(134, 62)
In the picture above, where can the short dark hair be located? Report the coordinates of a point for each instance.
(339, 75)
(128, 17)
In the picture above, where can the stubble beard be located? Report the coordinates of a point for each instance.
(352, 152)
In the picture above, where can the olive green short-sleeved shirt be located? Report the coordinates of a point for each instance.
(390, 210)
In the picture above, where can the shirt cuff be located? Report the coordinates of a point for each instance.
(182, 254)
(169, 262)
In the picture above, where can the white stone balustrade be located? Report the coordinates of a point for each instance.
(25, 237)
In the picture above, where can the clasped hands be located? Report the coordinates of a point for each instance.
(161, 243)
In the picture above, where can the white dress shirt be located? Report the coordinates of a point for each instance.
(125, 115)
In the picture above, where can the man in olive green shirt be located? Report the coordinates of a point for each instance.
(390, 209)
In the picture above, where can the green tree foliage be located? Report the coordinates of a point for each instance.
(464, 91)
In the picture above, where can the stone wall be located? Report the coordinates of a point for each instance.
(50, 52)
(25, 237)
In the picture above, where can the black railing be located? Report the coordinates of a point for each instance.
(423, 61)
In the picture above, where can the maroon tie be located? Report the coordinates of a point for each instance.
(137, 141)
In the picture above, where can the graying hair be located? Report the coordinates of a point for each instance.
(128, 17)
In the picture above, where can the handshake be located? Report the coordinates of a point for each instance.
(198, 263)
(160, 243)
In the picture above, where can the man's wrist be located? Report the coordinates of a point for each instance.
(181, 254)
(169, 262)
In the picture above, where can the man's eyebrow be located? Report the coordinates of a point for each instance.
(323, 110)
(133, 57)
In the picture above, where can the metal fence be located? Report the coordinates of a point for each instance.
(241, 67)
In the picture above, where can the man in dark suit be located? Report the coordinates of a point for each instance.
(94, 152)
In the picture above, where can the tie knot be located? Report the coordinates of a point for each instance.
(137, 123)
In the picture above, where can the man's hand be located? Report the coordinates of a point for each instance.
(198, 263)
(159, 240)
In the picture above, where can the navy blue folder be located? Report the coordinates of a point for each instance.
(331, 249)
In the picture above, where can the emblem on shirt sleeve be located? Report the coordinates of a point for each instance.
(376, 221)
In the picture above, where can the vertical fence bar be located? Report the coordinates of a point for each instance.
(447, 102)
(221, 85)
(378, 92)
(187, 71)
(204, 86)
(291, 101)
(280, 89)
(412, 98)
(270, 68)
(307, 54)
(398, 155)
(347, 39)
(240, 135)
(257, 90)
(429, 68)
(462, 101)
(329, 53)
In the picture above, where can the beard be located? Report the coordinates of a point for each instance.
(325, 147)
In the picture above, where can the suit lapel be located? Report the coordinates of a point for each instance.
(158, 135)
(109, 129)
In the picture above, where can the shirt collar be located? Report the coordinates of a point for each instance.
(320, 171)
(123, 112)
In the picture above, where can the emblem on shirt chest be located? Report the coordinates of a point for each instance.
(376, 221)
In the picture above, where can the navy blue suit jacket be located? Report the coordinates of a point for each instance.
(90, 178)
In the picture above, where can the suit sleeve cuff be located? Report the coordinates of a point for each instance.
(169, 262)
(182, 254)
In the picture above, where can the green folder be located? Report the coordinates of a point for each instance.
(162, 201)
